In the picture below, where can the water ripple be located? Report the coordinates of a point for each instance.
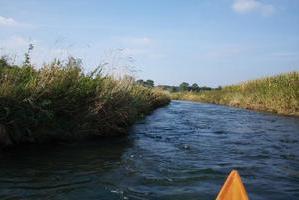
(183, 151)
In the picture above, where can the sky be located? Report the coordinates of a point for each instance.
(209, 42)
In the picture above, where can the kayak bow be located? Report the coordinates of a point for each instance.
(233, 188)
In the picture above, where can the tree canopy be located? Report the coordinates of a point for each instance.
(195, 87)
(184, 86)
(147, 83)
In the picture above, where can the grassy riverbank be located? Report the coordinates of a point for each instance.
(59, 101)
(278, 94)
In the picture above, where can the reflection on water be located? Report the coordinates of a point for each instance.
(183, 151)
(75, 171)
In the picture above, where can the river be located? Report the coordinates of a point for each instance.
(182, 151)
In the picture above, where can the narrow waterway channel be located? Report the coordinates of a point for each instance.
(182, 151)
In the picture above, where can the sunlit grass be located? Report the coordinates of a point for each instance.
(59, 101)
(279, 94)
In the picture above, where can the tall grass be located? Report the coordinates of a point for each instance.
(59, 101)
(278, 94)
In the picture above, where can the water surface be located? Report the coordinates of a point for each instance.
(182, 151)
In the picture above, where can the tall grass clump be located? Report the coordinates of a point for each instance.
(278, 94)
(59, 101)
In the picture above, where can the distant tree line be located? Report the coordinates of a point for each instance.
(184, 87)
(147, 83)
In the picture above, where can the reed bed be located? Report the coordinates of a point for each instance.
(61, 102)
(278, 94)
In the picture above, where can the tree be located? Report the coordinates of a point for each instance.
(173, 89)
(184, 86)
(140, 82)
(195, 87)
(149, 83)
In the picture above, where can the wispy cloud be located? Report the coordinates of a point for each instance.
(248, 6)
(15, 42)
(10, 22)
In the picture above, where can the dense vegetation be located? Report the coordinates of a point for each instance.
(184, 87)
(59, 101)
(279, 94)
(147, 83)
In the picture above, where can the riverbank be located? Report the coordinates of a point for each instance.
(278, 94)
(61, 102)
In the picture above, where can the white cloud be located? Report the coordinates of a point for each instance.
(247, 6)
(10, 22)
(7, 21)
(14, 42)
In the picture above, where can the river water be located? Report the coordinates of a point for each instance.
(182, 151)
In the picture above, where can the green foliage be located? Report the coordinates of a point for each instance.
(184, 86)
(140, 82)
(195, 87)
(278, 94)
(147, 83)
(59, 101)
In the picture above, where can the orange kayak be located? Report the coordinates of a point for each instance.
(233, 188)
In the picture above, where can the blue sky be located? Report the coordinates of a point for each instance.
(210, 42)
